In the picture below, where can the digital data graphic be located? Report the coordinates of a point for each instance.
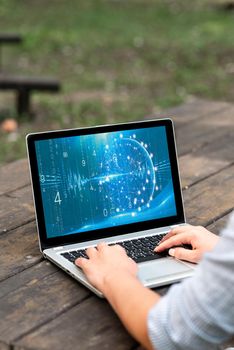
(96, 181)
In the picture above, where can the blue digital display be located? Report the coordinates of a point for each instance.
(103, 180)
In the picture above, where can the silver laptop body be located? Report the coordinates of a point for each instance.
(109, 183)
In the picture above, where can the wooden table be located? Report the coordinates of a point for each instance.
(43, 308)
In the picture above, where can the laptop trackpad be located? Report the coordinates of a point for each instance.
(156, 269)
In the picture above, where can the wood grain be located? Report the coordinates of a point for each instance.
(14, 175)
(16, 209)
(4, 346)
(206, 130)
(218, 225)
(90, 325)
(19, 250)
(211, 198)
(43, 297)
(207, 160)
(191, 111)
(41, 269)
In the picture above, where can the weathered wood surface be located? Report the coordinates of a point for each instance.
(43, 308)
(16, 209)
(14, 176)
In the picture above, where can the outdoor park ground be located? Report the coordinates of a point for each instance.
(117, 60)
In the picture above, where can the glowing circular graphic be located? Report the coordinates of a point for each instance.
(129, 175)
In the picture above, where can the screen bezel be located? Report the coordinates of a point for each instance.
(46, 242)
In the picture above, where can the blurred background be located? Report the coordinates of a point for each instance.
(116, 60)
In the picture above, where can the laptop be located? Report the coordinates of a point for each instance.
(114, 183)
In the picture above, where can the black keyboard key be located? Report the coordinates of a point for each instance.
(66, 255)
(69, 256)
(75, 254)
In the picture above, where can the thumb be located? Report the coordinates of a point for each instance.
(183, 254)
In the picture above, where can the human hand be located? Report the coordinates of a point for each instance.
(198, 237)
(105, 261)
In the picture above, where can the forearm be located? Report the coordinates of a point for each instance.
(132, 302)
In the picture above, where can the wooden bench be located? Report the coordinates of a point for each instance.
(41, 307)
(7, 38)
(24, 86)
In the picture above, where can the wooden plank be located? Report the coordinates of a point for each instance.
(206, 161)
(14, 175)
(205, 130)
(42, 298)
(91, 324)
(19, 250)
(208, 109)
(4, 346)
(16, 209)
(191, 111)
(40, 270)
(210, 199)
(218, 225)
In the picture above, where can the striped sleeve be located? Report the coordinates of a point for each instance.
(199, 312)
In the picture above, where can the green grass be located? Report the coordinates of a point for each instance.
(117, 60)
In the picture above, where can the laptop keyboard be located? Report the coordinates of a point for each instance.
(140, 250)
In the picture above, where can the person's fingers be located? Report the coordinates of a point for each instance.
(180, 238)
(183, 254)
(175, 231)
(117, 246)
(168, 235)
(81, 262)
(101, 246)
(91, 251)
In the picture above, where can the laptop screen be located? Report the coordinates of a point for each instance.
(104, 180)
